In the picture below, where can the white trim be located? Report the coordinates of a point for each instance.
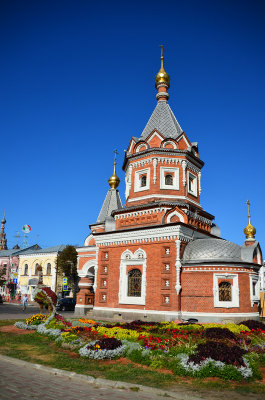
(149, 235)
(219, 314)
(136, 310)
(180, 216)
(166, 196)
(84, 284)
(87, 248)
(139, 146)
(133, 142)
(178, 266)
(175, 313)
(83, 305)
(170, 142)
(254, 298)
(185, 139)
(132, 259)
(155, 133)
(36, 255)
(234, 288)
(194, 189)
(154, 169)
(137, 180)
(184, 166)
(163, 172)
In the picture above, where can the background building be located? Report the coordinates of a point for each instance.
(28, 274)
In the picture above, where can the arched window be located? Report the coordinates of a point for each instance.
(143, 181)
(26, 269)
(37, 268)
(48, 269)
(225, 291)
(134, 283)
(169, 179)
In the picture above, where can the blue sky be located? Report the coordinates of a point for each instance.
(77, 80)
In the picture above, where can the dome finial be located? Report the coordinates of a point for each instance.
(114, 180)
(249, 230)
(162, 79)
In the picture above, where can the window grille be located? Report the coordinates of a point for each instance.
(143, 181)
(169, 179)
(225, 291)
(134, 283)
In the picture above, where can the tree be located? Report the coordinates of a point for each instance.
(3, 275)
(66, 264)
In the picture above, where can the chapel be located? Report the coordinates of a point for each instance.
(160, 257)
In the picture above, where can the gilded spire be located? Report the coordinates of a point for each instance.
(114, 180)
(249, 230)
(162, 77)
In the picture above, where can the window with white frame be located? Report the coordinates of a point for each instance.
(132, 282)
(192, 184)
(254, 289)
(225, 290)
(169, 178)
(142, 180)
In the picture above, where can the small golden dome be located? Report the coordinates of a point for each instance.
(249, 230)
(114, 181)
(162, 76)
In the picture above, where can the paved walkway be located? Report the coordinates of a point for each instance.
(20, 380)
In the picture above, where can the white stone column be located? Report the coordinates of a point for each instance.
(199, 178)
(184, 166)
(154, 165)
(178, 266)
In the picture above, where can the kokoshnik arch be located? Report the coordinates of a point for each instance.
(161, 257)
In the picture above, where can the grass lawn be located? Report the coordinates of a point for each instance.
(40, 349)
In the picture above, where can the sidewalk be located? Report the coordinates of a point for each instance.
(34, 381)
(18, 303)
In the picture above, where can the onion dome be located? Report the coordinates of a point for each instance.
(162, 77)
(249, 230)
(114, 181)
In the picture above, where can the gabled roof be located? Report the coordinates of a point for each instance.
(17, 252)
(54, 249)
(112, 202)
(164, 121)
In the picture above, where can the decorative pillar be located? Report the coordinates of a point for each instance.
(154, 165)
(199, 177)
(178, 266)
(184, 166)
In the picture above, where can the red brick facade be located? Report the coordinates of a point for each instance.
(140, 266)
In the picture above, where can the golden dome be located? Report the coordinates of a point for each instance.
(162, 76)
(114, 181)
(249, 230)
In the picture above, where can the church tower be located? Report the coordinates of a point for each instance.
(160, 257)
(163, 168)
(3, 241)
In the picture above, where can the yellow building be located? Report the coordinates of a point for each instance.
(28, 275)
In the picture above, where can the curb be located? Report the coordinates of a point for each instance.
(99, 382)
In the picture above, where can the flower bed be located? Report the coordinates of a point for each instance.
(227, 351)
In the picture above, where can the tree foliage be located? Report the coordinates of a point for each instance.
(66, 264)
(2, 275)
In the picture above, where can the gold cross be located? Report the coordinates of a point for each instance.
(162, 49)
(115, 151)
